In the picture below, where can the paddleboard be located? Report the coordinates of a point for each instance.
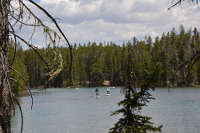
(108, 94)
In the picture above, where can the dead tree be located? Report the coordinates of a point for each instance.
(20, 15)
(5, 89)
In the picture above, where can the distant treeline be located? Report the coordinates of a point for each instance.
(95, 63)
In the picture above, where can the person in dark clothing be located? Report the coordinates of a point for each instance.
(97, 92)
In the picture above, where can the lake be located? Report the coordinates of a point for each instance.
(76, 110)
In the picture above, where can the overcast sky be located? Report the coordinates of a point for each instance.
(116, 20)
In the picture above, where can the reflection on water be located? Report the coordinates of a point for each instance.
(78, 111)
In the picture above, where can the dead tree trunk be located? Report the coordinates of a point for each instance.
(5, 89)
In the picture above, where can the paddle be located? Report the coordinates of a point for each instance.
(92, 95)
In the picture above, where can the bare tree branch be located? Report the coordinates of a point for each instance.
(31, 46)
(179, 2)
(15, 46)
(22, 120)
(58, 29)
(25, 89)
(25, 84)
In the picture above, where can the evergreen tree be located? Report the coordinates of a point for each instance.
(16, 59)
(135, 99)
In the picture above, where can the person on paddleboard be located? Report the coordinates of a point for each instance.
(97, 92)
(108, 90)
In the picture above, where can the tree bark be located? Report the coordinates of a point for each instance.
(5, 89)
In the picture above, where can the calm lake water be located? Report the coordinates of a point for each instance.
(78, 111)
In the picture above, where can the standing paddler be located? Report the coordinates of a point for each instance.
(108, 90)
(97, 92)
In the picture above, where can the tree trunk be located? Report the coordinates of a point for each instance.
(5, 89)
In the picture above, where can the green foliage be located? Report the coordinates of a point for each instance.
(96, 74)
(139, 65)
(136, 98)
(94, 63)
(18, 72)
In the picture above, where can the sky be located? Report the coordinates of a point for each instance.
(115, 20)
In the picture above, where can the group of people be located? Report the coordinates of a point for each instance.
(97, 92)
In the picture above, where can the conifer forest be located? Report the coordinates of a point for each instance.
(93, 63)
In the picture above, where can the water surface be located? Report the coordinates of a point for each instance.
(78, 111)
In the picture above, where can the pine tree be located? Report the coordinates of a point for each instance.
(135, 99)
(16, 60)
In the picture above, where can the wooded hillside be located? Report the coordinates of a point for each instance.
(95, 63)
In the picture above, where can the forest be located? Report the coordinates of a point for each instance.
(93, 63)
